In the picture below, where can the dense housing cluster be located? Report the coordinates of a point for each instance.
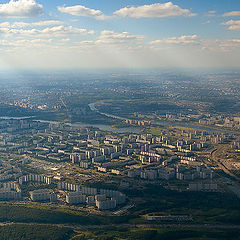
(72, 158)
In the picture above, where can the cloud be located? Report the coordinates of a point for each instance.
(56, 31)
(232, 25)
(5, 25)
(21, 9)
(31, 24)
(231, 14)
(196, 44)
(65, 40)
(211, 14)
(157, 10)
(178, 40)
(231, 45)
(123, 49)
(26, 43)
(111, 37)
(79, 10)
(207, 22)
(38, 24)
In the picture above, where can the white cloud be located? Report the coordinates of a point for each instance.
(26, 43)
(228, 45)
(109, 49)
(207, 22)
(30, 24)
(20, 25)
(195, 43)
(38, 24)
(178, 40)
(157, 10)
(65, 40)
(231, 14)
(232, 45)
(79, 10)
(232, 25)
(46, 54)
(211, 14)
(5, 25)
(21, 9)
(56, 31)
(111, 37)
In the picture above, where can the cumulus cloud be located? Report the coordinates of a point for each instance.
(21, 9)
(56, 31)
(5, 25)
(157, 10)
(38, 24)
(195, 43)
(26, 43)
(30, 24)
(178, 40)
(79, 10)
(232, 25)
(207, 22)
(111, 37)
(211, 14)
(230, 45)
(65, 40)
(231, 14)
(112, 49)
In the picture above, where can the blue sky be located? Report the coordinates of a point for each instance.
(108, 33)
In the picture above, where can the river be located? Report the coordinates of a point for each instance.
(130, 129)
(166, 123)
(102, 127)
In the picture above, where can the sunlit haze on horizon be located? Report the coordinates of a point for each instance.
(37, 34)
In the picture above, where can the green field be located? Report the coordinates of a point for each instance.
(43, 232)
(30, 232)
(56, 215)
(159, 234)
(210, 208)
(204, 207)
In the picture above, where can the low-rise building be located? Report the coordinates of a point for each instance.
(107, 204)
(75, 198)
(40, 195)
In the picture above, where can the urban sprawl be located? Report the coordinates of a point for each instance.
(60, 163)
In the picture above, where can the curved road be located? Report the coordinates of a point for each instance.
(215, 153)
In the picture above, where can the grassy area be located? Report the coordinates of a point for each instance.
(30, 170)
(52, 214)
(209, 208)
(155, 131)
(156, 234)
(29, 232)
(38, 214)
(26, 188)
(204, 207)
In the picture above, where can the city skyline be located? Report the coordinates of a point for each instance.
(130, 34)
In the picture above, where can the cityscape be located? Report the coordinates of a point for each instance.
(119, 120)
(100, 158)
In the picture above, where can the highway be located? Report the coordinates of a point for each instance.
(235, 187)
(214, 155)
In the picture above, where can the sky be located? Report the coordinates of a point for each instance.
(57, 34)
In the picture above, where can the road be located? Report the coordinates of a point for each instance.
(214, 155)
(235, 186)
